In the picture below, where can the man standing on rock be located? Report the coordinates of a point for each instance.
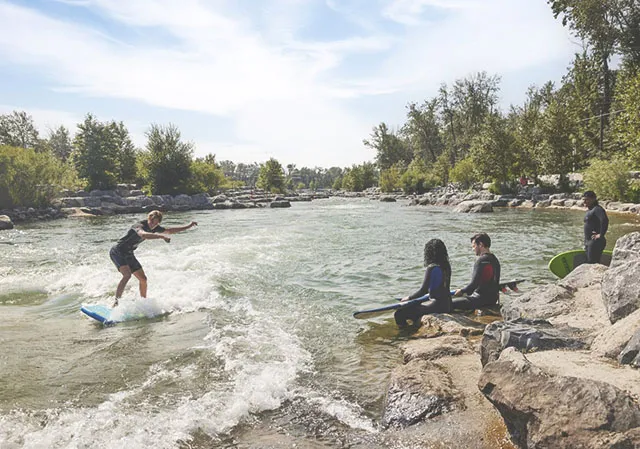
(596, 224)
(122, 252)
(484, 288)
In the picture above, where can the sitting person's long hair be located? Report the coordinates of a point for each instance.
(435, 251)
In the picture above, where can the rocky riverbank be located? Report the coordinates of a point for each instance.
(129, 200)
(559, 368)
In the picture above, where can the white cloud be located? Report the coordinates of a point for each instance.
(284, 96)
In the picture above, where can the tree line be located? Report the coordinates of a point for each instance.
(101, 155)
(588, 123)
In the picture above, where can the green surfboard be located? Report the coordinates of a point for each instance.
(564, 263)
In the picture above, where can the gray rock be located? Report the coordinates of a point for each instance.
(474, 207)
(280, 204)
(419, 390)
(540, 303)
(542, 410)
(611, 340)
(526, 336)
(5, 223)
(631, 351)
(621, 283)
(435, 348)
(583, 276)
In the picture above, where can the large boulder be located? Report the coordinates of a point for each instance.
(5, 222)
(621, 283)
(574, 301)
(527, 336)
(539, 303)
(611, 340)
(631, 353)
(474, 206)
(436, 348)
(544, 410)
(419, 390)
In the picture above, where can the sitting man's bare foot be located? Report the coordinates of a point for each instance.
(115, 304)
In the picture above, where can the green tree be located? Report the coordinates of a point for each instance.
(626, 123)
(492, 150)
(583, 102)
(422, 131)
(557, 153)
(60, 143)
(206, 176)
(125, 151)
(17, 129)
(611, 26)
(94, 154)
(271, 177)
(525, 123)
(390, 149)
(169, 160)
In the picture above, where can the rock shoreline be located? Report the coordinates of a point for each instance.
(127, 199)
(558, 365)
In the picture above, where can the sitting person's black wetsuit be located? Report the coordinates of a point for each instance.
(437, 283)
(484, 289)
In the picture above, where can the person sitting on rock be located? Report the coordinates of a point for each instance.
(437, 280)
(122, 252)
(484, 289)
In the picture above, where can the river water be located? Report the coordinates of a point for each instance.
(260, 348)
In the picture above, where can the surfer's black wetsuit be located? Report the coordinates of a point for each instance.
(595, 222)
(122, 252)
(484, 288)
(437, 283)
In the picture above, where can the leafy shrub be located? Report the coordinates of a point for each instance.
(390, 178)
(417, 179)
(464, 173)
(608, 178)
(633, 193)
(28, 178)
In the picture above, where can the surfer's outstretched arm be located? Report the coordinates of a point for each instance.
(180, 228)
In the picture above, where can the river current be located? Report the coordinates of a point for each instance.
(259, 348)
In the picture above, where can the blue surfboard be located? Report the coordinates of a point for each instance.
(143, 309)
(363, 314)
(98, 312)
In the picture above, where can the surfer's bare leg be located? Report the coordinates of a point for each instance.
(126, 275)
(143, 281)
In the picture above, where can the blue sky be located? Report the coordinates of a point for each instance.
(303, 81)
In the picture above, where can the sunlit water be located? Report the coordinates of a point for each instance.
(260, 347)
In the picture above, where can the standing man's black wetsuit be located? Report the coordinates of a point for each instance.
(484, 288)
(596, 223)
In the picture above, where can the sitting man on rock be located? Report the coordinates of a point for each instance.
(484, 289)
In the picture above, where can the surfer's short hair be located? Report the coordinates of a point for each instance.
(155, 214)
(589, 194)
(483, 238)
